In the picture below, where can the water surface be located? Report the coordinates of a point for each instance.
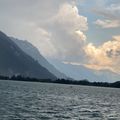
(47, 101)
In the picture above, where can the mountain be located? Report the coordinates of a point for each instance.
(79, 72)
(13, 61)
(32, 51)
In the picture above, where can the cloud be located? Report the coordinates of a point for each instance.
(107, 23)
(111, 11)
(106, 56)
(111, 15)
(69, 18)
(67, 30)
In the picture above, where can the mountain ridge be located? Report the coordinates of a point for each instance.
(32, 51)
(14, 61)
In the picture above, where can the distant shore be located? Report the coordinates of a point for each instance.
(62, 81)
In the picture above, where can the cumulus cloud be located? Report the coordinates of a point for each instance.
(107, 23)
(69, 18)
(67, 28)
(106, 56)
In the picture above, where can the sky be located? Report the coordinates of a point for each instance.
(78, 32)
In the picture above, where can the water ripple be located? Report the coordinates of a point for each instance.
(38, 101)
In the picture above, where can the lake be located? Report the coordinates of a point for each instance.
(47, 101)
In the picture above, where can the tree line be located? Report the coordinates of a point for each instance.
(62, 81)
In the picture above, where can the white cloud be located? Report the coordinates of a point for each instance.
(111, 11)
(67, 29)
(69, 18)
(107, 23)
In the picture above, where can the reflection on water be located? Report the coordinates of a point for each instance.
(44, 101)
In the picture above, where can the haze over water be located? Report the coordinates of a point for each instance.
(46, 101)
